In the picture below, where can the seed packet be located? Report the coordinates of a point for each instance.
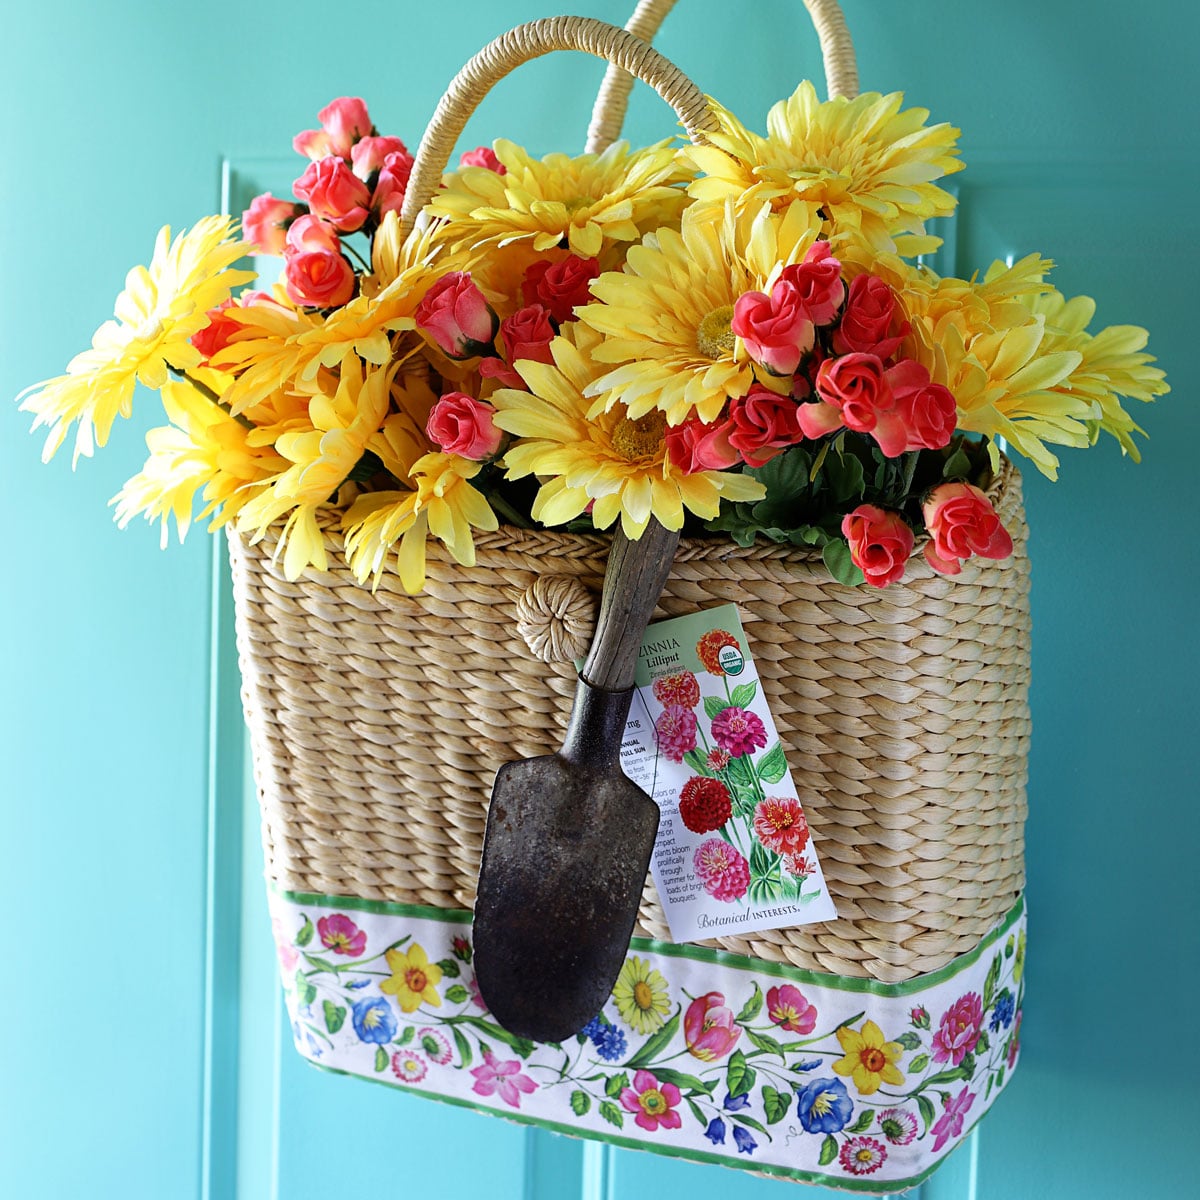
(734, 850)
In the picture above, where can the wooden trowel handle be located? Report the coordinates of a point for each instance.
(634, 580)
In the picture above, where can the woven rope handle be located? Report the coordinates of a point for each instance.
(837, 53)
(520, 45)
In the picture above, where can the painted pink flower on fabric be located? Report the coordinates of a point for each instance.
(681, 688)
(476, 994)
(409, 1067)
(708, 1027)
(1014, 1045)
(503, 1079)
(722, 869)
(780, 825)
(788, 1007)
(436, 1048)
(898, 1125)
(738, 731)
(950, 1123)
(675, 731)
(862, 1155)
(340, 934)
(288, 954)
(959, 1030)
(653, 1103)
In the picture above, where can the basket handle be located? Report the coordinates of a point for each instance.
(520, 45)
(837, 53)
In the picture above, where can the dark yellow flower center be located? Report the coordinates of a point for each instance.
(874, 1060)
(642, 438)
(653, 1102)
(714, 335)
(643, 997)
(415, 978)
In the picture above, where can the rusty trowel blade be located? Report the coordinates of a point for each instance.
(565, 857)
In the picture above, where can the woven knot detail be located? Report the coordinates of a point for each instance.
(556, 616)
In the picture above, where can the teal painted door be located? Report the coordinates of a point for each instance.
(144, 1054)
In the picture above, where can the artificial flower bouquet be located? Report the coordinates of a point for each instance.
(735, 339)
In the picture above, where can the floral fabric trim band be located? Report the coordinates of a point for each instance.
(699, 1054)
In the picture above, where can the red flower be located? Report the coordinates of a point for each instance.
(867, 322)
(700, 446)
(880, 543)
(482, 156)
(681, 688)
(319, 279)
(961, 522)
(332, 190)
(527, 335)
(739, 731)
(456, 316)
(780, 825)
(708, 649)
(704, 804)
(762, 424)
(266, 221)
(926, 412)
(818, 283)
(560, 286)
(776, 329)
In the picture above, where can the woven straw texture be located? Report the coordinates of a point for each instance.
(378, 722)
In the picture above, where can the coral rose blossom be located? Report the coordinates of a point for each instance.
(709, 1028)
(722, 869)
(762, 424)
(392, 183)
(560, 286)
(675, 731)
(460, 424)
(738, 731)
(704, 804)
(335, 193)
(700, 446)
(775, 329)
(482, 156)
(867, 321)
(780, 825)
(926, 413)
(526, 335)
(369, 155)
(343, 122)
(961, 522)
(681, 688)
(818, 283)
(319, 279)
(266, 221)
(456, 316)
(880, 543)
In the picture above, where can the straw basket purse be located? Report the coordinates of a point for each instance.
(378, 721)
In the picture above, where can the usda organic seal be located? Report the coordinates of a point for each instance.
(731, 660)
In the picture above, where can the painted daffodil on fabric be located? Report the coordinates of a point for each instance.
(589, 202)
(641, 995)
(868, 164)
(615, 463)
(667, 318)
(414, 979)
(157, 314)
(869, 1059)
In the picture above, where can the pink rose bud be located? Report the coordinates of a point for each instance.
(762, 425)
(367, 156)
(266, 221)
(867, 324)
(483, 156)
(696, 446)
(460, 424)
(527, 334)
(560, 286)
(856, 384)
(961, 522)
(775, 329)
(880, 543)
(819, 418)
(319, 278)
(343, 122)
(456, 316)
(392, 183)
(311, 233)
(334, 192)
(927, 411)
(219, 331)
(818, 283)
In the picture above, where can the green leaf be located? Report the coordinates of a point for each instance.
(990, 1083)
(305, 992)
(952, 1075)
(335, 1016)
(742, 1119)
(909, 1040)
(697, 1112)
(697, 762)
(682, 1080)
(406, 1035)
(449, 968)
(614, 1085)
(457, 994)
(989, 984)
(829, 1150)
(612, 1114)
(655, 1045)
(772, 767)
(714, 705)
(1000, 1076)
(381, 1058)
(464, 1047)
(751, 1008)
(306, 933)
(743, 695)
(836, 556)
(928, 1112)
(983, 1043)
(844, 474)
(958, 465)
(739, 1075)
(822, 455)
(864, 1121)
(967, 1066)
(919, 1063)
(765, 1042)
(775, 1104)
(319, 964)
(580, 1103)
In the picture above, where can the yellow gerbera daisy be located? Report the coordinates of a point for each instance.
(614, 461)
(592, 200)
(641, 995)
(162, 306)
(442, 503)
(869, 1059)
(202, 448)
(666, 318)
(866, 162)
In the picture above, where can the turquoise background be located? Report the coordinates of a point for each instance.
(141, 1056)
